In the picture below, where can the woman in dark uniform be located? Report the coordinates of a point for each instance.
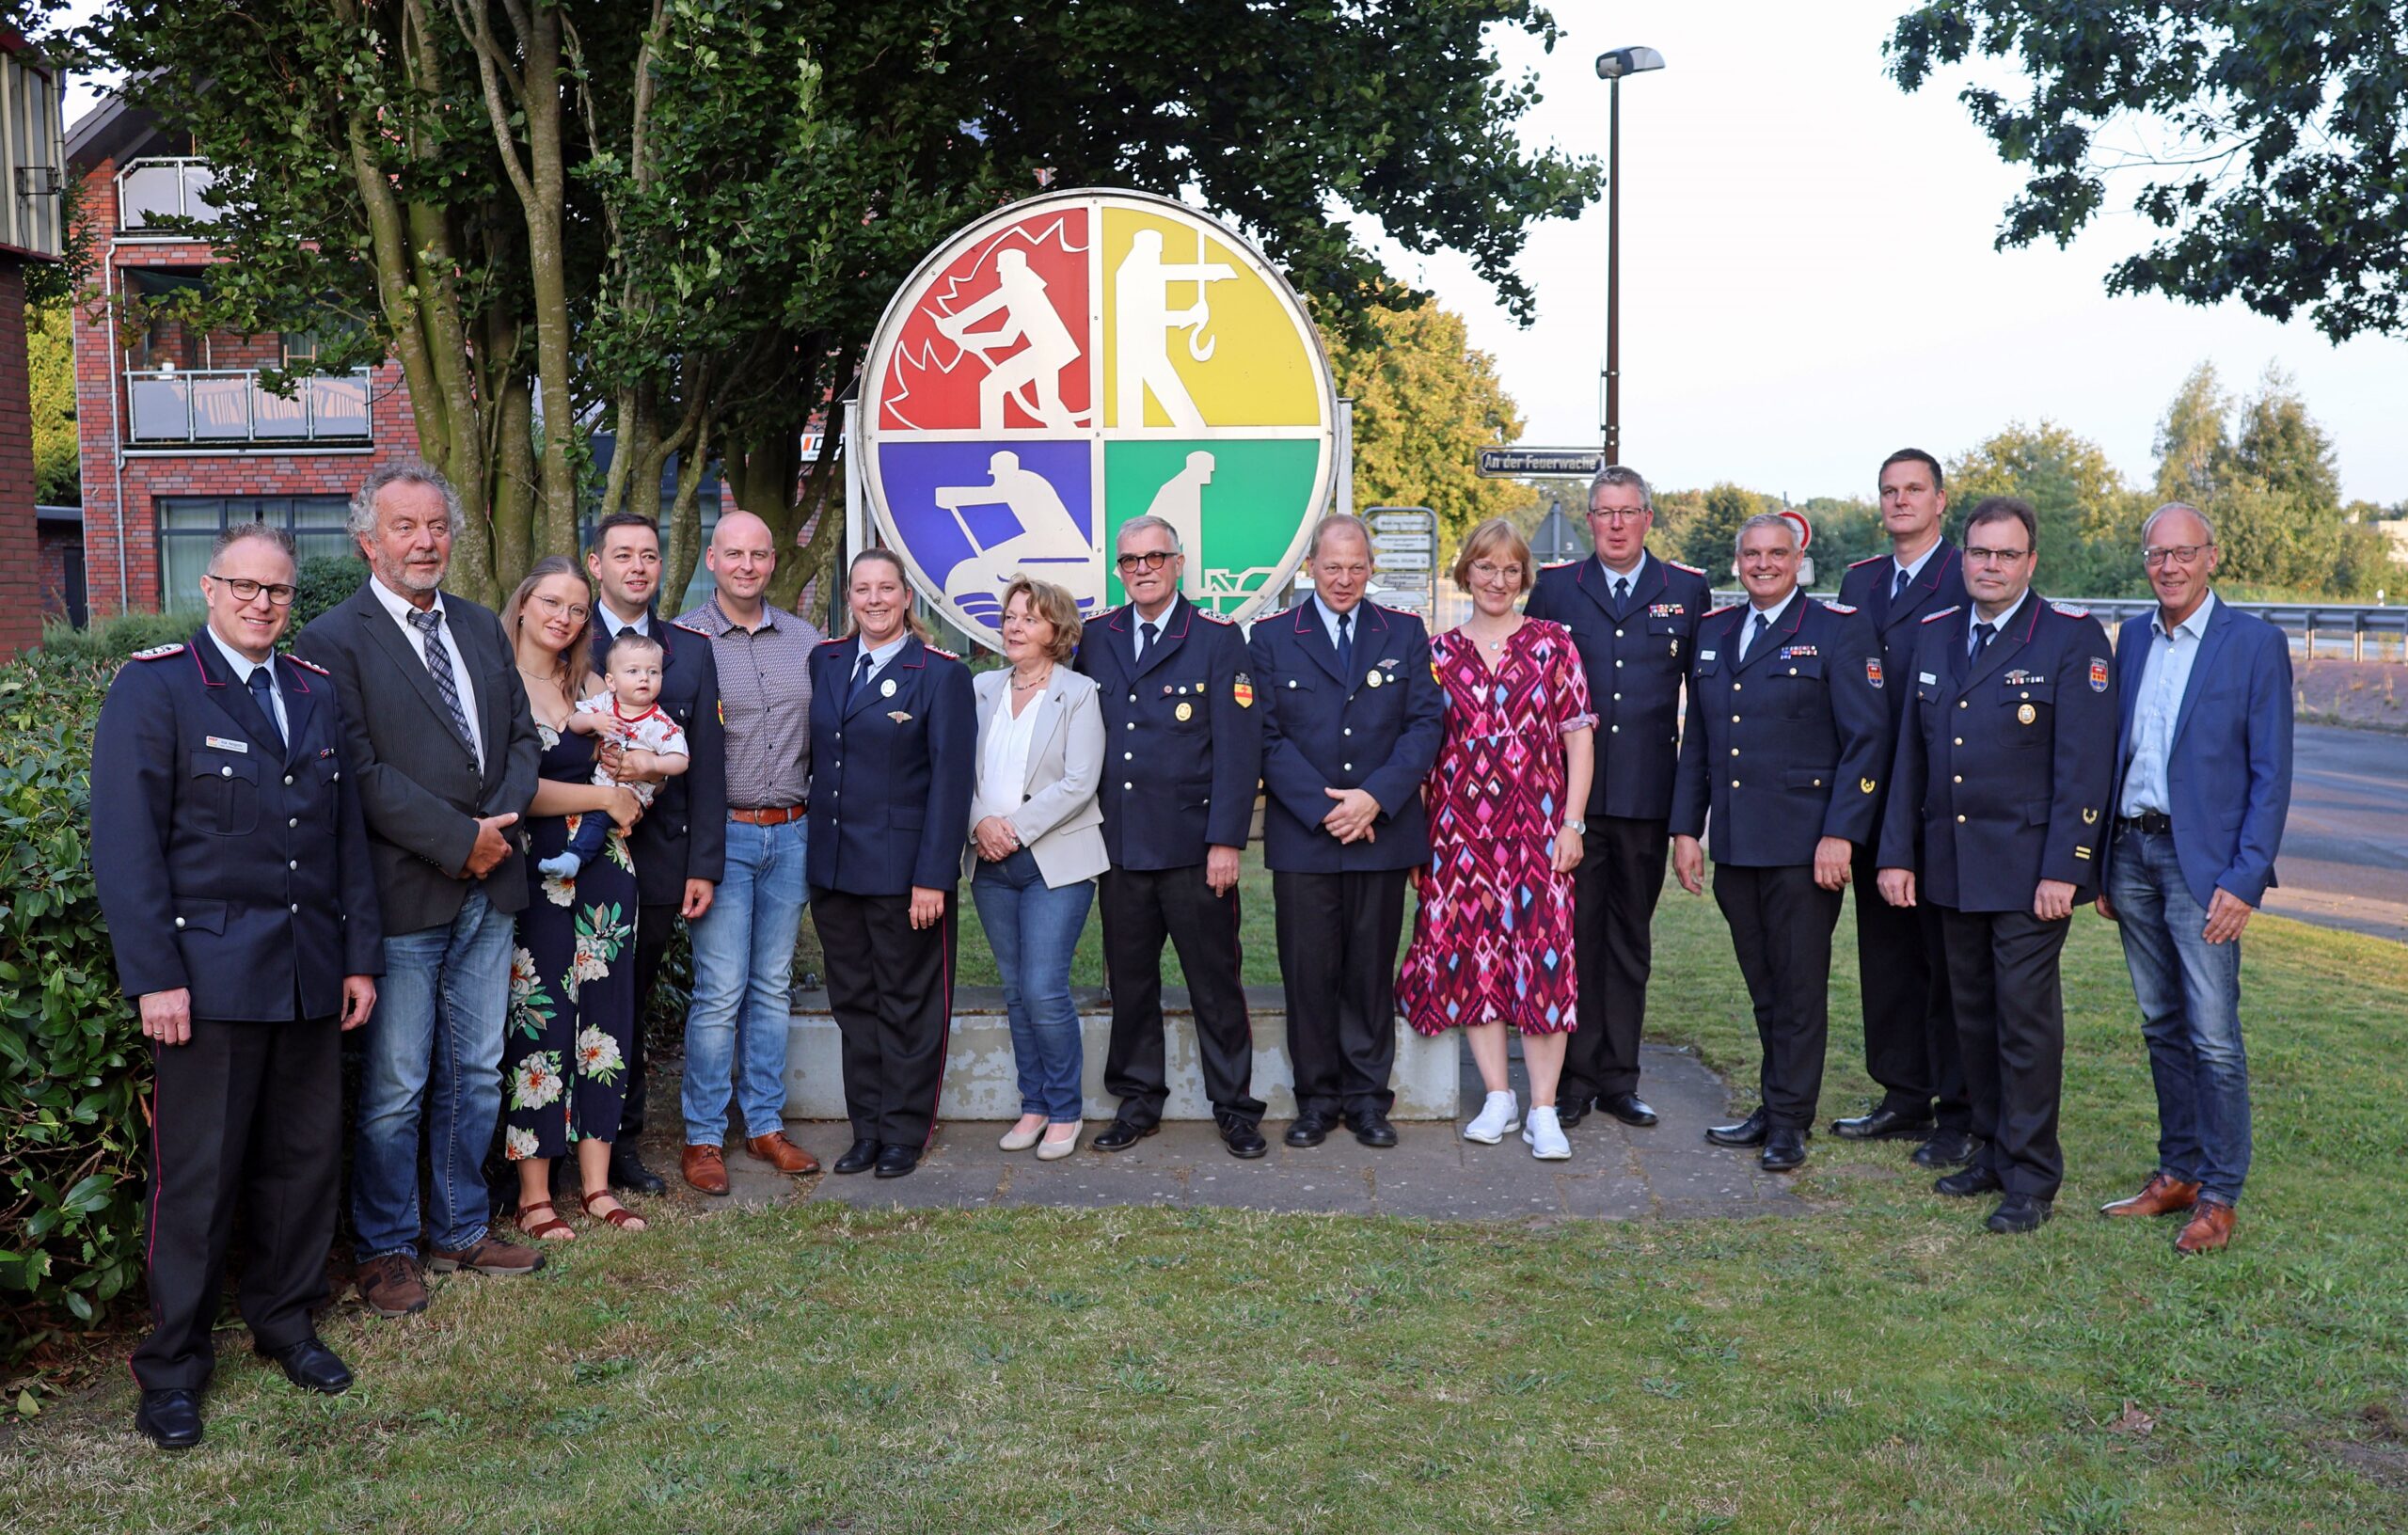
(894, 746)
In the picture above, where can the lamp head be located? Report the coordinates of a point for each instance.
(1615, 63)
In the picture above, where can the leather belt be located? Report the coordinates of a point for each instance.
(773, 815)
(2155, 822)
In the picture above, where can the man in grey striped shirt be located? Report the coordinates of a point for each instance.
(736, 1032)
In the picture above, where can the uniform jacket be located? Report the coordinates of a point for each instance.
(1323, 731)
(1865, 587)
(225, 864)
(1635, 657)
(684, 834)
(1788, 746)
(421, 792)
(890, 777)
(2005, 762)
(1058, 820)
(1183, 737)
(2228, 770)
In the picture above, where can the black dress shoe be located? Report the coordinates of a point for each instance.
(1784, 1149)
(1748, 1132)
(1964, 1185)
(1243, 1138)
(860, 1157)
(1120, 1135)
(629, 1172)
(2019, 1212)
(1570, 1111)
(1947, 1149)
(169, 1419)
(1629, 1108)
(311, 1363)
(1373, 1130)
(897, 1160)
(1310, 1129)
(1882, 1125)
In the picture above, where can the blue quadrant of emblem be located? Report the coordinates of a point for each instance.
(974, 514)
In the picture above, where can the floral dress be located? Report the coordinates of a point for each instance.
(1492, 938)
(572, 983)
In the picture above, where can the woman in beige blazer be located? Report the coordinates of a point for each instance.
(1035, 847)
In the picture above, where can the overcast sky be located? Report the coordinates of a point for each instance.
(1808, 280)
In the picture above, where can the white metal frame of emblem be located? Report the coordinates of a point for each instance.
(869, 435)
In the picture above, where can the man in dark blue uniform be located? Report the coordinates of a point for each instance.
(231, 862)
(1183, 752)
(1909, 1029)
(1353, 716)
(1787, 743)
(680, 846)
(2004, 764)
(1634, 618)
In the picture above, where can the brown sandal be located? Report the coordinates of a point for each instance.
(550, 1228)
(624, 1218)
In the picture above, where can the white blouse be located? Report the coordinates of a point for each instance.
(1002, 770)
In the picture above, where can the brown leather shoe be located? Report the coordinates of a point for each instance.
(488, 1254)
(781, 1153)
(389, 1286)
(2208, 1231)
(705, 1169)
(2160, 1195)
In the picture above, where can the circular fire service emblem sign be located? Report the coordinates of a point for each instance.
(1076, 360)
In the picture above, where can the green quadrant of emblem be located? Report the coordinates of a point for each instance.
(1248, 515)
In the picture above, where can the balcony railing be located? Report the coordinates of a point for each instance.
(228, 406)
(154, 189)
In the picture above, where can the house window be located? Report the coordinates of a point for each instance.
(189, 524)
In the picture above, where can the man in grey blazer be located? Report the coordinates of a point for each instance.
(439, 736)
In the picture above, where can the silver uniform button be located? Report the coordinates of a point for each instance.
(179, 921)
(296, 908)
(292, 862)
(293, 821)
(287, 781)
(225, 772)
(1128, 786)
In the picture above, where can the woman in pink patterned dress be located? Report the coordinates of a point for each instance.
(1491, 939)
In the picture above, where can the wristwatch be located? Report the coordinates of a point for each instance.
(1581, 827)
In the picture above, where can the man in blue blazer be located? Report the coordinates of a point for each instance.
(2203, 782)
(1353, 718)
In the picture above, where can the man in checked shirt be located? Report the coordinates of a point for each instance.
(744, 945)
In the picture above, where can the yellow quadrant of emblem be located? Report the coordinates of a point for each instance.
(1257, 373)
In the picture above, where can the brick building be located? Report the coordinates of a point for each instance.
(179, 438)
(29, 232)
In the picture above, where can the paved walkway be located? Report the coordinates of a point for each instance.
(1615, 1173)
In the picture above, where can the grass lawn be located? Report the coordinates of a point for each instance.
(1881, 1366)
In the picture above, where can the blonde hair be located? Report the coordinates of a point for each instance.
(1052, 604)
(1488, 539)
(574, 663)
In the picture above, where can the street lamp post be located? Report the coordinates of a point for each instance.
(1611, 66)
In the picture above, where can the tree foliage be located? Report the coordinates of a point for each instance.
(1424, 400)
(50, 379)
(2270, 137)
(2089, 540)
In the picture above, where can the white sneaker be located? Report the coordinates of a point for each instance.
(1497, 1117)
(1545, 1137)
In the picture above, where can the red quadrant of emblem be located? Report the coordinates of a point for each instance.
(1019, 301)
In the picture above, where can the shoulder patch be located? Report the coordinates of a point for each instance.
(690, 629)
(1691, 569)
(307, 666)
(156, 653)
(2068, 609)
(1275, 612)
(1840, 607)
(939, 650)
(1215, 618)
(1870, 558)
(1934, 618)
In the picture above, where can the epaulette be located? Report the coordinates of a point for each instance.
(835, 640)
(1275, 612)
(1840, 608)
(938, 650)
(690, 629)
(1691, 569)
(156, 653)
(307, 666)
(1215, 617)
(1934, 618)
(1561, 565)
(1711, 611)
(1868, 559)
(2068, 611)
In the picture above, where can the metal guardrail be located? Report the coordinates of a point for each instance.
(2315, 628)
(229, 405)
(164, 186)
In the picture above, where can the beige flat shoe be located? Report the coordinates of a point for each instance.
(1025, 1134)
(1050, 1149)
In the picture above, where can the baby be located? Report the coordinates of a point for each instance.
(625, 712)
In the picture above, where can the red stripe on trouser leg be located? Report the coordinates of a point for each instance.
(944, 1039)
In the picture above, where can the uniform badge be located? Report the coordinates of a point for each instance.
(1676, 647)
(2026, 713)
(1794, 651)
(2089, 816)
(1926, 678)
(2098, 674)
(901, 717)
(1184, 713)
(1872, 676)
(1243, 690)
(1374, 677)
(1865, 783)
(886, 689)
(224, 745)
(1706, 655)
(158, 653)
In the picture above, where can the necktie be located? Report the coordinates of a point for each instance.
(1763, 623)
(861, 681)
(1346, 643)
(1148, 634)
(1621, 590)
(264, 694)
(1899, 587)
(1982, 635)
(438, 662)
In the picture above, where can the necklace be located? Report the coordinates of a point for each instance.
(1497, 643)
(1027, 687)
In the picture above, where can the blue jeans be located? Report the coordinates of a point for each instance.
(2190, 995)
(1033, 930)
(433, 1043)
(743, 971)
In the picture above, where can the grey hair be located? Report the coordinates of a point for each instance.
(2150, 521)
(1619, 474)
(1145, 523)
(1336, 522)
(361, 523)
(234, 533)
(1766, 519)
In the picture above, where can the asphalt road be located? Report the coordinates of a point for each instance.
(2344, 862)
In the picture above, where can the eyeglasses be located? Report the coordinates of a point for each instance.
(1481, 570)
(577, 611)
(1620, 514)
(1150, 559)
(2181, 554)
(248, 591)
(1995, 556)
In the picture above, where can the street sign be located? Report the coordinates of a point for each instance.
(1539, 462)
(1401, 522)
(1385, 541)
(1404, 560)
(1068, 362)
